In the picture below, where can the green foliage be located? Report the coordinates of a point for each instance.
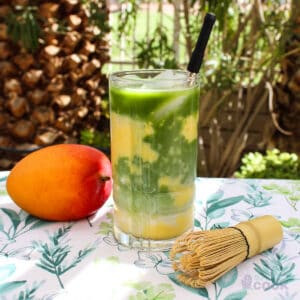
(157, 52)
(23, 27)
(127, 17)
(95, 138)
(274, 164)
(151, 47)
(97, 17)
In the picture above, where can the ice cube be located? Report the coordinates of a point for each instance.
(131, 77)
(169, 107)
(158, 85)
(167, 74)
(165, 80)
(172, 75)
(129, 80)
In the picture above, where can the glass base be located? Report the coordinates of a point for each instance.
(131, 241)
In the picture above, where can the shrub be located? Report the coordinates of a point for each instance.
(274, 164)
(95, 138)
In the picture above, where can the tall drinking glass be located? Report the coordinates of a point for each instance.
(154, 115)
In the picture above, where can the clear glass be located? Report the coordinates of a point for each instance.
(154, 116)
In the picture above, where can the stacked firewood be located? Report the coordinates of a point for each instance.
(52, 87)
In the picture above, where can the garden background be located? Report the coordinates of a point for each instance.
(55, 57)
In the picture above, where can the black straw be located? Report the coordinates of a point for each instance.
(198, 53)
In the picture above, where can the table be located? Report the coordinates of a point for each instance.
(81, 260)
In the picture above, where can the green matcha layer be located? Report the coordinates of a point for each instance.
(154, 149)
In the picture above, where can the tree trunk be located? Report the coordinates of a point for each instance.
(287, 90)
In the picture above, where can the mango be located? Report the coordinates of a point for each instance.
(62, 182)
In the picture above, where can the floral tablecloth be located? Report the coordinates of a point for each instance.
(82, 260)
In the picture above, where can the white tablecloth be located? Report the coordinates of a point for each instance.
(82, 260)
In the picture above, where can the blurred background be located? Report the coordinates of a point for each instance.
(55, 57)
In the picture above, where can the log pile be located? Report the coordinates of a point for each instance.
(49, 93)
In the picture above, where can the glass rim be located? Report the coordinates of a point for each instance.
(117, 75)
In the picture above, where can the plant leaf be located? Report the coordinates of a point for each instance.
(236, 295)
(270, 187)
(60, 258)
(220, 225)
(198, 291)
(288, 269)
(9, 286)
(6, 271)
(46, 268)
(1, 225)
(13, 216)
(228, 279)
(262, 272)
(47, 263)
(215, 197)
(197, 223)
(30, 219)
(291, 222)
(265, 264)
(3, 179)
(38, 223)
(217, 213)
(224, 203)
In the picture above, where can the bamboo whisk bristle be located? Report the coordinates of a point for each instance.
(202, 257)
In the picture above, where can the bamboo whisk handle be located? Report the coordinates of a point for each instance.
(201, 257)
(262, 233)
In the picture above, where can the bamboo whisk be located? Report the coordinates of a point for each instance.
(201, 257)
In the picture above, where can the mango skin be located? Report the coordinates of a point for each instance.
(62, 182)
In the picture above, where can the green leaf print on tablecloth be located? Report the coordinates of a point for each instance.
(26, 293)
(290, 193)
(149, 291)
(257, 197)
(215, 208)
(55, 252)
(292, 226)
(5, 272)
(3, 178)
(277, 268)
(19, 223)
(10, 286)
(198, 291)
(29, 293)
(224, 282)
(236, 295)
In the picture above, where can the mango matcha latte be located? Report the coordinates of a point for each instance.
(153, 151)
